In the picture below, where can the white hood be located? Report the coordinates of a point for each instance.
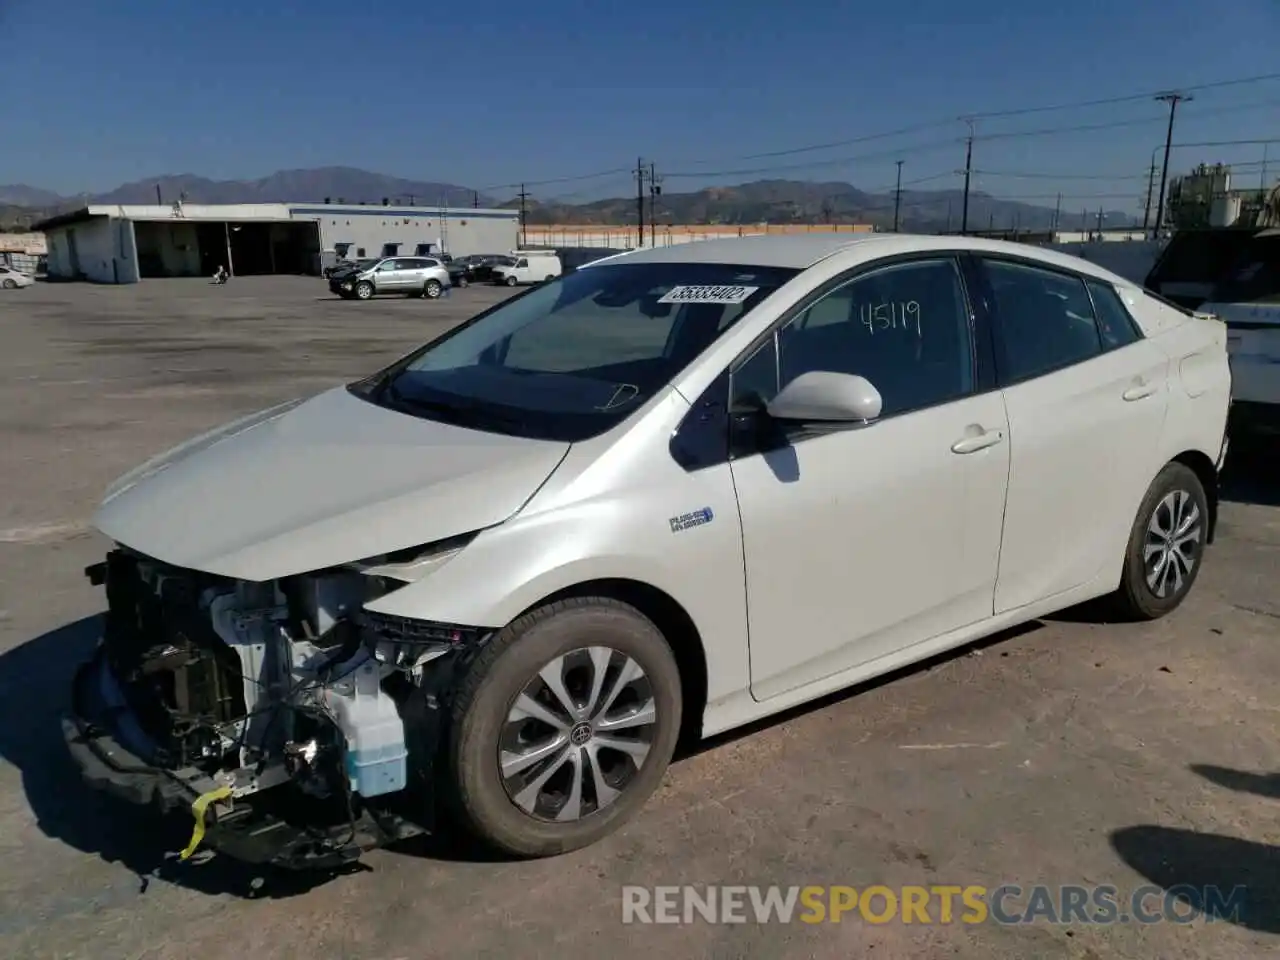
(312, 484)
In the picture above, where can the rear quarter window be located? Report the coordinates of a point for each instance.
(1116, 325)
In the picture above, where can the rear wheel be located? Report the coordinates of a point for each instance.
(1166, 545)
(564, 726)
(364, 290)
(432, 290)
(11, 284)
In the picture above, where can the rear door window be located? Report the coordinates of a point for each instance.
(1045, 319)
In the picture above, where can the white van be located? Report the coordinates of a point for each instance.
(531, 266)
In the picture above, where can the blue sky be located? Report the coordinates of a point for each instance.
(498, 92)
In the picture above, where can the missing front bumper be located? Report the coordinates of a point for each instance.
(260, 830)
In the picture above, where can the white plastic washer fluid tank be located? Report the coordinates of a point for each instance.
(376, 761)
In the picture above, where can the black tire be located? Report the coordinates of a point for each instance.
(432, 289)
(364, 290)
(549, 278)
(510, 281)
(1137, 599)
(463, 282)
(502, 671)
(11, 284)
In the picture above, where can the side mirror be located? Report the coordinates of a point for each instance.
(822, 396)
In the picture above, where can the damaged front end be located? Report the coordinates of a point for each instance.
(299, 729)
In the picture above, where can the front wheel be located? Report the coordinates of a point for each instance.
(1166, 545)
(364, 290)
(563, 726)
(510, 281)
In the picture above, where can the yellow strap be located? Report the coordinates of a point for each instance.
(198, 809)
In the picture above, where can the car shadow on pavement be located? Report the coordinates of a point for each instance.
(1242, 781)
(1206, 869)
(35, 679)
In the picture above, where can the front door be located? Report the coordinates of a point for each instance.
(1087, 400)
(861, 542)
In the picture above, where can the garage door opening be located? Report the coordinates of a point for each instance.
(197, 249)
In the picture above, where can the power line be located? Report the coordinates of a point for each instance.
(1128, 98)
(1028, 175)
(987, 115)
(810, 164)
(574, 179)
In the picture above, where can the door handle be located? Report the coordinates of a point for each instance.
(973, 444)
(1139, 391)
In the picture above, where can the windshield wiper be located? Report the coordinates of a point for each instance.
(461, 414)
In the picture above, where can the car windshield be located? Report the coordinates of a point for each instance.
(574, 356)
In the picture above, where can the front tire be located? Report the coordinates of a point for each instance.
(510, 281)
(563, 727)
(364, 290)
(1166, 545)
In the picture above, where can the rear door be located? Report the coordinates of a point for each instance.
(1086, 397)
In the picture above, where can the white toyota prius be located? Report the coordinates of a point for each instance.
(492, 585)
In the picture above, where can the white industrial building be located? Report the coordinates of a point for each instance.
(113, 243)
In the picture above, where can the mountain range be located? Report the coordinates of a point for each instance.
(773, 201)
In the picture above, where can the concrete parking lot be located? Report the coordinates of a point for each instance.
(1072, 752)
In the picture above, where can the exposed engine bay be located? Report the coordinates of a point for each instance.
(246, 692)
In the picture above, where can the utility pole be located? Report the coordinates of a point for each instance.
(1151, 189)
(1172, 99)
(642, 176)
(655, 191)
(897, 198)
(1057, 213)
(524, 213)
(1099, 221)
(968, 169)
(475, 199)
(948, 215)
(159, 199)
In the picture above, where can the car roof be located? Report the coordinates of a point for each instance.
(801, 251)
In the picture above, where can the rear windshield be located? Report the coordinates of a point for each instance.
(576, 355)
(1254, 277)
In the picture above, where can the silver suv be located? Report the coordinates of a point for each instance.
(408, 276)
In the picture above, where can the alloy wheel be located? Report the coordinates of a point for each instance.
(1172, 545)
(577, 734)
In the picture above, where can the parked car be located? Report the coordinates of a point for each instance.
(676, 491)
(482, 270)
(531, 266)
(346, 266)
(1234, 274)
(11, 279)
(462, 270)
(406, 276)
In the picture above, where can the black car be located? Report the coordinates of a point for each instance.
(482, 272)
(347, 266)
(462, 270)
